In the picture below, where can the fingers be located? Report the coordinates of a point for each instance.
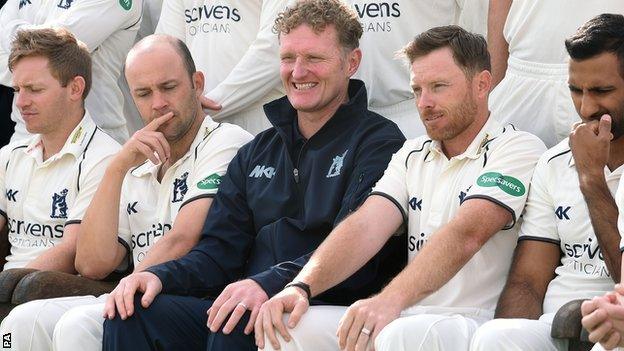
(259, 328)
(109, 305)
(158, 121)
(611, 341)
(277, 317)
(604, 128)
(128, 299)
(619, 288)
(269, 330)
(252, 320)
(152, 288)
(594, 319)
(588, 307)
(239, 311)
(209, 104)
(343, 328)
(295, 316)
(600, 332)
(221, 314)
(119, 301)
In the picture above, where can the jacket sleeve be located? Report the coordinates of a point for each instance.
(372, 157)
(227, 237)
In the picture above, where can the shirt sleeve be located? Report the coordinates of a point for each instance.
(393, 183)
(88, 181)
(85, 19)
(213, 157)
(5, 152)
(257, 72)
(171, 20)
(539, 217)
(509, 162)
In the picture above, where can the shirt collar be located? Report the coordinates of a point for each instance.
(206, 128)
(75, 144)
(490, 131)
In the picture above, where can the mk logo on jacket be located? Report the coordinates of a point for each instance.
(59, 205)
(180, 188)
(336, 166)
(262, 171)
(562, 212)
(132, 208)
(64, 4)
(414, 203)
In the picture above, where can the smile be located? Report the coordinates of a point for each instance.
(304, 86)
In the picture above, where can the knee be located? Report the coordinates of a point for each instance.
(490, 335)
(23, 317)
(392, 335)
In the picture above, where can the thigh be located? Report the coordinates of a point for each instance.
(516, 334)
(169, 323)
(315, 331)
(427, 332)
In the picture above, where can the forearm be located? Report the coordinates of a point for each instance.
(334, 261)
(519, 300)
(603, 213)
(58, 258)
(497, 45)
(98, 251)
(166, 249)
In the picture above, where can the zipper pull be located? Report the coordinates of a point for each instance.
(296, 174)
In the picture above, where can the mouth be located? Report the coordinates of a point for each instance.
(430, 117)
(304, 86)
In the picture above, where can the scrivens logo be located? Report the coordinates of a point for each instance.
(211, 19)
(147, 238)
(376, 16)
(586, 257)
(27, 234)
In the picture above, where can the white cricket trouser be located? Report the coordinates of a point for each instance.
(405, 115)
(517, 334)
(52, 324)
(422, 328)
(535, 97)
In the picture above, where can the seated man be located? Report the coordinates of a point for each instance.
(568, 246)
(459, 190)
(280, 198)
(48, 181)
(153, 199)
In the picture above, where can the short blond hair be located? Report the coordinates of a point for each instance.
(68, 58)
(318, 14)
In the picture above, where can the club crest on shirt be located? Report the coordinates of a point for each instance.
(59, 204)
(65, 4)
(336, 166)
(179, 188)
(23, 3)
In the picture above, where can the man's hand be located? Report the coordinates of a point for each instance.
(236, 299)
(209, 104)
(590, 144)
(146, 143)
(363, 321)
(122, 297)
(290, 300)
(603, 317)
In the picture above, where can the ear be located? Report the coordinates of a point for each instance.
(76, 88)
(483, 83)
(353, 61)
(198, 83)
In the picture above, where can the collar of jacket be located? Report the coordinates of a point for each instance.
(281, 113)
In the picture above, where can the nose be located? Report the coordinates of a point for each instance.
(299, 69)
(21, 99)
(589, 107)
(424, 100)
(159, 101)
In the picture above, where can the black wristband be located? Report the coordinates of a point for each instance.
(303, 286)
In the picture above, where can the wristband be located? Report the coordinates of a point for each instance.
(303, 286)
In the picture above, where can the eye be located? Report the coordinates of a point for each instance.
(574, 90)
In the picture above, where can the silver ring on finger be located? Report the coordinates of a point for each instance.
(244, 306)
(365, 331)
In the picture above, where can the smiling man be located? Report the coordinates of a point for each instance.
(460, 191)
(280, 198)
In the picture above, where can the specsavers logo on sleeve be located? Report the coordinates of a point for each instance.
(210, 182)
(508, 184)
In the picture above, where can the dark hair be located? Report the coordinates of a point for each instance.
(603, 33)
(67, 57)
(469, 50)
(319, 14)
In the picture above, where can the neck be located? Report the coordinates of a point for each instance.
(460, 143)
(616, 154)
(53, 141)
(311, 122)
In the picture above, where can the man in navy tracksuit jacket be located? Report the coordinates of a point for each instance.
(282, 195)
